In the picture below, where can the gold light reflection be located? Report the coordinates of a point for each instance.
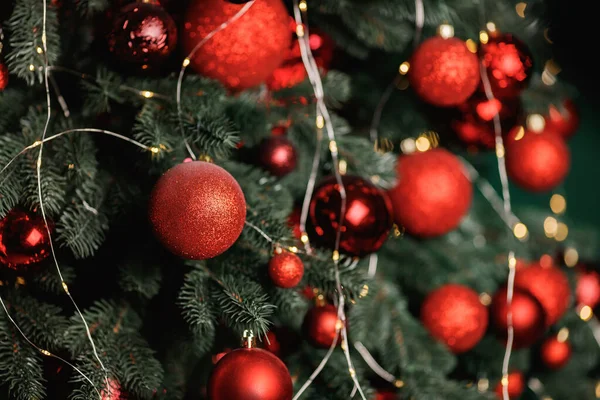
(485, 299)
(471, 45)
(320, 122)
(586, 313)
(446, 31)
(500, 151)
(404, 67)
(300, 30)
(343, 167)
(598, 390)
(423, 143)
(520, 231)
(483, 37)
(491, 26)
(562, 232)
(571, 257)
(147, 94)
(520, 8)
(563, 335)
(535, 122)
(186, 62)
(520, 133)
(303, 6)
(558, 204)
(550, 227)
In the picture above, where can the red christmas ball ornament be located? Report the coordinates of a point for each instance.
(538, 162)
(294, 222)
(321, 325)
(277, 155)
(143, 35)
(250, 374)
(244, 54)
(286, 269)
(549, 285)
(197, 210)
(555, 353)
(587, 291)
(444, 72)
(454, 315)
(563, 119)
(508, 63)
(367, 220)
(433, 193)
(3, 76)
(386, 395)
(272, 343)
(528, 318)
(112, 391)
(23, 239)
(516, 385)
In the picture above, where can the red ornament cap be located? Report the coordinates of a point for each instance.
(555, 353)
(23, 239)
(321, 325)
(286, 269)
(516, 385)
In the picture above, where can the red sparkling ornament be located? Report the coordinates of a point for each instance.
(538, 162)
(321, 325)
(549, 285)
(563, 119)
(250, 374)
(555, 354)
(516, 385)
(143, 35)
(444, 72)
(508, 63)
(367, 220)
(197, 210)
(527, 316)
(3, 76)
(277, 155)
(454, 315)
(244, 54)
(286, 269)
(433, 193)
(587, 291)
(23, 239)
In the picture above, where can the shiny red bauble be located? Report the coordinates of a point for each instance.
(538, 162)
(563, 119)
(23, 239)
(516, 385)
(321, 325)
(444, 72)
(433, 193)
(528, 318)
(367, 218)
(250, 374)
(197, 210)
(286, 269)
(555, 353)
(277, 155)
(587, 291)
(454, 315)
(549, 285)
(3, 76)
(508, 63)
(244, 54)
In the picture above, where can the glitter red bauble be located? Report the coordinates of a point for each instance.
(320, 325)
(454, 315)
(250, 374)
(23, 239)
(245, 53)
(444, 72)
(367, 220)
(508, 63)
(286, 269)
(143, 35)
(433, 193)
(277, 155)
(587, 291)
(555, 354)
(3, 76)
(197, 210)
(549, 285)
(516, 385)
(528, 317)
(538, 162)
(563, 119)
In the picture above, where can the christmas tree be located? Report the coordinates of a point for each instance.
(277, 200)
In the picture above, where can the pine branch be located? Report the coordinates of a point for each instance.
(11, 185)
(90, 7)
(248, 118)
(153, 129)
(425, 385)
(291, 305)
(13, 104)
(78, 156)
(48, 280)
(143, 278)
(213, 135)
(99, 93)
(362, 160)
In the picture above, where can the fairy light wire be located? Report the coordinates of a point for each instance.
(372, 363)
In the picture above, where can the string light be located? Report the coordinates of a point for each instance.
(31, 67)
(408, 146)
(485, 299)
(303, 6)
(550, 227)
(520, 230)
(562, 232)
(471, 45)
(404, 67)
(423, 144)
(446, 31)
(483, 37)
(535, 123)
(571, 257)
(147, 94)
(491, 26)
(558, 204)
(586, 313)
(563, 335)
(483, 385)
(320, 122)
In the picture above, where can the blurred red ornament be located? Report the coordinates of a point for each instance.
(3, 76)
(563, 119)
(433, 193)
(294, 222)
(321, 325)
(197, 210)
(280, 129)
(538, 162)
(367, 220)
(244, 54)
(454, 315)
(250, 374)
(217, 357)
(112, 391)
(308, 293)
(555, 353)
(527, 315)
(508, 63)
(549, 285)
(587, 291)
(286, 269)
(272, 343)
(277, 155)
(143, 35)
(386, 395)
(516, 385)
(23, 239)
(444, 72)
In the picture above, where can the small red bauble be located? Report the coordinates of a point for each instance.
(563, 119)
(250, 374)
(508, 63)
(454, 315)
(245, 53)
(444, 72)
(112, 391)
(272, 343)
(555, 354)
(367, 220)
(433, 193)
(197, 210)
(528, 317)
(386, 395)
(321, 325)
(277, 155)
(23, 239)
(3, 76)
(286, 269)
(516, 385)
(538, 162)
(294, 222)
(587, 291)
(549, 285)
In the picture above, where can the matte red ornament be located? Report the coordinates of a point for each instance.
(367, 220)
(277, 155)
(527, 315)
(454, 315)
(321, 325)
(538, 162)
(3, 76)
(143, 35)
(197, 210)
(516, 385)
(555, 354)
(563, 119)
(286, 269)
(444, 72)
(549, 285)
(433, 193)
(23, 239)
(587, 291)
(250, 374)
(508, 63)
(244, 54)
